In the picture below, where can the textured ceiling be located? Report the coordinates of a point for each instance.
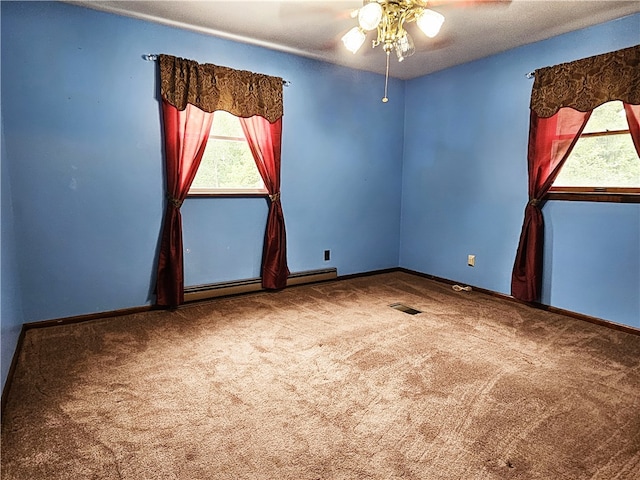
(473, 28)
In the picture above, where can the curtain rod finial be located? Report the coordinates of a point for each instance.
(150, 57)
(531, 74)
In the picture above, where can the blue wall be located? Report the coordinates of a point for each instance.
(465, 184)
(11, 317)
(83, 141)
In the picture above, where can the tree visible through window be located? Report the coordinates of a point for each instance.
(227, 164)
(604, 157)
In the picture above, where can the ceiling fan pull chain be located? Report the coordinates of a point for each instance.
(386, 80)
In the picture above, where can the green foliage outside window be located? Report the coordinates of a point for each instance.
(603, 161)
(227, 162)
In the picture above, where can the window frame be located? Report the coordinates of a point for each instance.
(597, 194)
(208, 192)
(605, 195)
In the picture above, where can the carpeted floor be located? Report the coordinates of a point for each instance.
(327, 381)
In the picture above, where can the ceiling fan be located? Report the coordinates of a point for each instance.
(388, 19)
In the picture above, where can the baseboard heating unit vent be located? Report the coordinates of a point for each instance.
(404, 308)
(213, 290)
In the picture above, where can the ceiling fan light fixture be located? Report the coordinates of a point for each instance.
(430, 22)
(370, 15)
(389, 18)
(353, 39)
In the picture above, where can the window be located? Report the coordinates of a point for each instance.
(604, 159)
(227, 165)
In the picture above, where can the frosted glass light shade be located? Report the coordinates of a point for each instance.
(405, 47)
(353, 39)
(370, 15)
(430, 22)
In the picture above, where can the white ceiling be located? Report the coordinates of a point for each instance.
(473, 28)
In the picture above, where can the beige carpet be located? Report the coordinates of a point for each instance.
(328, 382)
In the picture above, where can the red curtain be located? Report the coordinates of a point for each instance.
(265, 142)
(550, 143)
(633, 118)
(185, 136)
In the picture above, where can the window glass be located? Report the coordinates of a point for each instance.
(608, 116)
(604, 156)
(227, 164)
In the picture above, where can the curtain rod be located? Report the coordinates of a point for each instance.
(152, 57)
(530, 74)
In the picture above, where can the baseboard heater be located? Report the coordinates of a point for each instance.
(223, 289)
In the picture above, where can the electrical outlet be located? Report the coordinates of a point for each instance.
(327, 255)
(471, 260)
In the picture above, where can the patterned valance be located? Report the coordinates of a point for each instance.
(588, 83)
(211, 87)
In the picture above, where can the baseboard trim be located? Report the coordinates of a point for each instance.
(369, 274)
(203, 292)
(302, 278)
(195, 293)
(250, 285)
(539, 306)
(89, 317)
(12, 369)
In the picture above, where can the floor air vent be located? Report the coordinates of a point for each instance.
(404, 308)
